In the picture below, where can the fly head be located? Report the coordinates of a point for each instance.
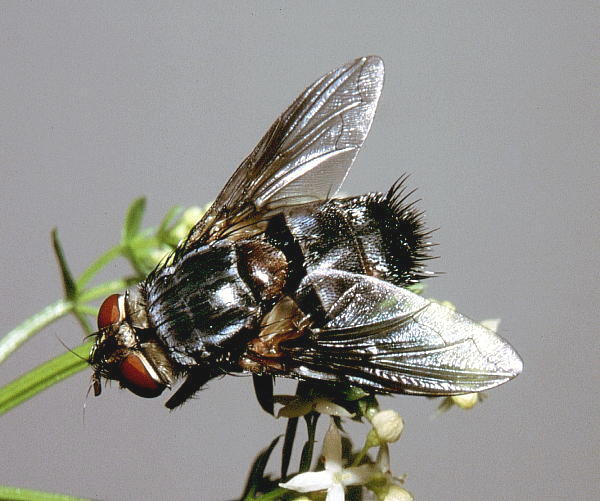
(126, 348)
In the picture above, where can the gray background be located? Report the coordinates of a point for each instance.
(493, 109)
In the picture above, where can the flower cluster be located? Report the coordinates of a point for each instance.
(337, 474)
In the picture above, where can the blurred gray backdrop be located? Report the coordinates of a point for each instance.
(492, 107)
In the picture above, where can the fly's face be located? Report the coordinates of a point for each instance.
(125, 349)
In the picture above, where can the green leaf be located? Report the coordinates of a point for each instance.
(67, 278)
(288, 445)
(83, 321)
(97, 265)
(133, 220)
(170, 219)
(19, 494)
(107, 288)
(43, 376)
(258, 470)
(352, 393)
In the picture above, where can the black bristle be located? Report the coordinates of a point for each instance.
(403, 232)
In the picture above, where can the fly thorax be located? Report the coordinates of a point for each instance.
(263, 267)
(199, 303)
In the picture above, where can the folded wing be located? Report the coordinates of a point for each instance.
(389, 339)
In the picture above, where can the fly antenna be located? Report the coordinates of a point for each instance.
(73, 351)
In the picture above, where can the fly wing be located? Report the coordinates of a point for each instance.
(386, 338)
(306, 153)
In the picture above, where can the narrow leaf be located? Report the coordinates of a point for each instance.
(170, 217)
(107, 288)
(133, 220)
(18, 494)
(258, 470)
(97, 265)
(43, 376)
(288, 445)
(308, 449)
(67, 278)
(35, 323)
(83, 321)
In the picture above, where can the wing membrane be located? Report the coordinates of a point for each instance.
(306, 153)
(387, 338)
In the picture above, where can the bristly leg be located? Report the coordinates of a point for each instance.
(263, 387)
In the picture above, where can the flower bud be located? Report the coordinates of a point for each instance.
(397, 493)
(186, 222)
(466, 401)
(388, 425)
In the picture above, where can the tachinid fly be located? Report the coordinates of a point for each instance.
(280, 278)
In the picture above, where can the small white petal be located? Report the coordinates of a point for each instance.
(332, 449)
(309, 481)
(383, 458)
(335, 493)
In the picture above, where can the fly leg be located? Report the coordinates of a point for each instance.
(197, 378)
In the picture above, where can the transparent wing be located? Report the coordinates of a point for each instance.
(387, 338)
(306, 153)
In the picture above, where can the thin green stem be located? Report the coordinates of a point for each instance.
(361, 455)
(18, 494)
(27, 329)
(98, 264)
(43, 376)
(83, 321)
(274, 494)
(21, 333)
(88, 310)
(106, 289)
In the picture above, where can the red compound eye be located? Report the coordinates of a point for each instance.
(109, 312)
(139, 377)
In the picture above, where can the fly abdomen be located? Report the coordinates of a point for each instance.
(374, 234)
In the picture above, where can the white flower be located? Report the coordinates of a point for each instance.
(334, 478)
(388, 425)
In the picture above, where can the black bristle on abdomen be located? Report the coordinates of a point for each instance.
(403, 233)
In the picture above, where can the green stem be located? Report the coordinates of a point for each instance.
(274, 494)
(98, 264)
(44, 376)
(83, 321)
(106, 289)
(18, 494)
(88, 310)
(16, 337)
(361, 455)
